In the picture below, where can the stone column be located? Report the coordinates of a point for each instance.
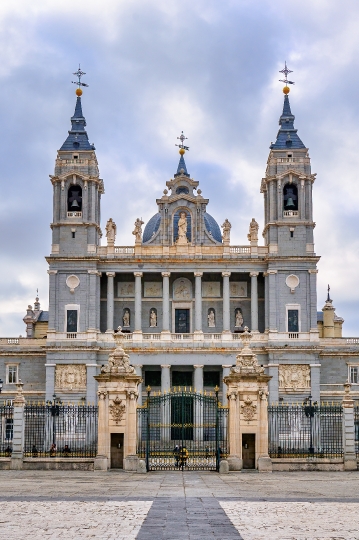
(273, 384)
(264, 461)
(18, 429)
(198, 377)
(315, 381)
(272, 297)
(254, 301)
(91, 386)
(138, 369)
(110, 301)
(93, 308)
(225, 372)
(50, 381)
(165, 378)
(226, 303)
(350, 461)
(52, 301)
(198, 302)
(302, 197)
(103, 438)
(166, 302)
(138, 302)
(313, 300)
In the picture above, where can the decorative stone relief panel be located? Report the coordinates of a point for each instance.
(211, 289)
(70, 377)
(294, 377)
(125, 289)
(248, 409)
(238, 289)
(182, 289)
(152, 289)
(117, 409)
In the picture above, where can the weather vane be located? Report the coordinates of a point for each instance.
(285, 72)
(182, 147)
(79, 74)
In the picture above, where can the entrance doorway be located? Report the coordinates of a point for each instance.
(249, 450)
(116, 450)
(182, 321)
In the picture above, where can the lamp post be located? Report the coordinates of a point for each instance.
(1, 383)
(310, 409)
(55, 411)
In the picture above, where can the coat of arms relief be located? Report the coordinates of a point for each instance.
(70, 377)
(294, 377)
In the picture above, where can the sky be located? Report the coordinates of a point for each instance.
(155, 68)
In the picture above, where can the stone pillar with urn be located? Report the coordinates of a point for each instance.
(247, 391)
(118, 393)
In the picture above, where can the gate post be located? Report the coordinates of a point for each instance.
(117, 391)
(17, 454)
(350, 460)
(248, 407)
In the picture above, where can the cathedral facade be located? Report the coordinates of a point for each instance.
(182, 293)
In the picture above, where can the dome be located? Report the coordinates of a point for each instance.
(152, 227)
(212, 227)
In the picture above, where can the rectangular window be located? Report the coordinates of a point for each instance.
(293, 320)
(71, 321)
(211, 379)
(12, 374)
(353, 375)
(152, 378)
(9, 429)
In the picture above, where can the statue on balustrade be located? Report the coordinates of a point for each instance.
(226, 231)
(153, 318)
(253, 231)
(111, 232)
(211, 319)
(137, 232)
(126, 318)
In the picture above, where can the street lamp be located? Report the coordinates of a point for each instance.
(55, 411)
(310, 409)
(1, 383)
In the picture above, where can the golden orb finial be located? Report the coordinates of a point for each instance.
(286, 90)
(181, 151)
(78, 92)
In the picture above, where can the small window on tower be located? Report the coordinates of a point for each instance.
(73, 234)
(293, 320)
(76, 156)
(71, 322)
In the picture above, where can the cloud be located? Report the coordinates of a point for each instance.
(156, 68)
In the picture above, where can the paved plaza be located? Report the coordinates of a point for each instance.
(117, 505)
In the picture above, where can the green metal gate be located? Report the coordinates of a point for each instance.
(182, 430)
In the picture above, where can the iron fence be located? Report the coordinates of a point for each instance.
(182, 430)
(356, 427)
(6, 430)
(308, 430)
(60, 430)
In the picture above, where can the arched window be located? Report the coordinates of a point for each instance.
(290, 197)
(74, 199)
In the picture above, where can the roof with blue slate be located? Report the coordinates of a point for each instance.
(181, 165)
(77, 138)
(151, 227)
(287, 137)
(43, 317)
(212, 227)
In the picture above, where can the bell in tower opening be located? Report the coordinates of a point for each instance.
(290, 197)
(74, 199)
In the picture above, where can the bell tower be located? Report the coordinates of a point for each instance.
(77, 190)
(287, 189)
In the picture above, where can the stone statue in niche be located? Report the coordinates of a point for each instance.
(226, 231)
(182, 229)
(137, 232)
(153, 318)
(126, 318)
(253, 231)
(239, 319)
(111, 232)
(211, 319)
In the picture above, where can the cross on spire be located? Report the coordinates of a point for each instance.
(182, 138)
(286, 72)
(79, 74)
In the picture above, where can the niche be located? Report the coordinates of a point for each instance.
(126, 318)
(153, 318)
(211, 317)
(238, 320)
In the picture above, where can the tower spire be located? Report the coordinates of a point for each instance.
(182, 169)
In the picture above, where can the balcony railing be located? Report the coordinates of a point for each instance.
(74, 214)
(239, 249)
(290, 213)
(126, 250)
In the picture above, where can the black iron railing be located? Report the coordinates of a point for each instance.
(6, 430)
(182, 430)
(308, 430)
(60, 430)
